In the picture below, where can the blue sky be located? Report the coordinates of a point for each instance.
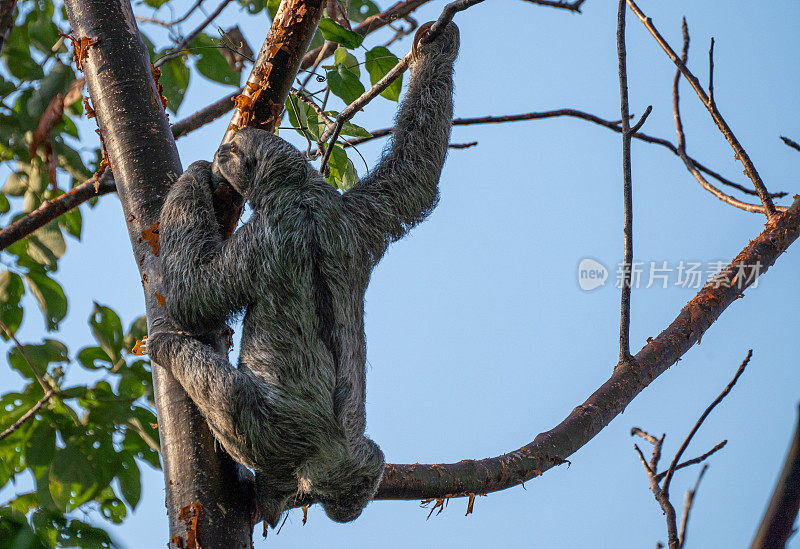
(478, 334)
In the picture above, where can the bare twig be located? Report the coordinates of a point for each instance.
(613, 125)
(681, 149)
(350, 110)
(569, 6)
(627, 191)
(741, 154)
(192, 35)
(687, 505)
(462, 145)
(777, 525)
(674, 464)
(642, 120)
(36, 373)
(790, 143)
(29, 414)
(710, 71)
(694, 461)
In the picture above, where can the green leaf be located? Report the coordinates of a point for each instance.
(130, 483)
(303, 117)
(361, 9)
(94, 358)
(272, 7)
(211, 63)
(344, 84)
(50, 297)
(72, 222)
(48, 352)
(5, 206)
(343, 57)
(46, 245)
(155, 3)
(16, 184)
(174, 80)
(343, 172)
(11, 291)
(42, 31)
(41, 446)
(17, 55)
(72, 478)
(80, 534)
(107, 330)
(379, 62)
(334, 32)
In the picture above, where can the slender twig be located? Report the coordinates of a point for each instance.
(790, 143)
(661, 496)
(741, 154)
(462, 145)
(350, 110)
(778, 523)
(29, 414)
(710, 71)
(694, 461)
(627, 191)
(687, 505)
(642, 120)
(192, 35)
(569, 6)
(674, 464)
(613, 125)
(681, 149)
(636, 431)
(36, 373)
(676, 88)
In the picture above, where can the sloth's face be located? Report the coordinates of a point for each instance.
(231, 163)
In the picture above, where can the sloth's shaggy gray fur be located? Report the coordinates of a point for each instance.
(293, 410)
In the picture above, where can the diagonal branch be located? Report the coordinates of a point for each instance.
(29, 414)
(674, 464)
(708, 102)
(192, 35)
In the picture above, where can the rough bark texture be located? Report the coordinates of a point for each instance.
(201, 483)
(265, 92)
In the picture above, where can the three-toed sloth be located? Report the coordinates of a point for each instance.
(293, 409)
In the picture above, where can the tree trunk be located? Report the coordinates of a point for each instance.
(206, 502)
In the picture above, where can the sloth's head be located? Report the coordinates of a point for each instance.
(255, 161)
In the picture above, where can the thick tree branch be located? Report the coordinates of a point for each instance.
(145, 161)
(708, 102)
(778, 523)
